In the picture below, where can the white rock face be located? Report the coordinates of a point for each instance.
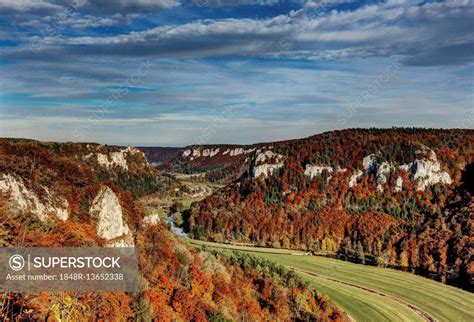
(88, 156)
(339, 169)
(382, 171)
(196, 153)
(266, 170)
(264, 156)
(384, 168)
(263, 168)
(236, 151)
(370, 163)
(239, 151)
(210, 152)
(116, 158)
(111, 225)
(18, 192)
(153, 219)
(399, 185)
(215, 152)
(427, 172)
(315, 170)
(21, 199)
(187, 153)
(354, 177)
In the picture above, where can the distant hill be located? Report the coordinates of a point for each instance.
(393, 197)
(221, 163)
(159, 156)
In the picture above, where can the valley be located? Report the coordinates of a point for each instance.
(242, 160)
(399, 198)
(364, 292)
(220, 227)
(91, 195)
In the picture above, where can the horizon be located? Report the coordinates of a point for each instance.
(239, 144)
(168, 72)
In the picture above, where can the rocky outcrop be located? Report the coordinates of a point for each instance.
(236, 152)
(152, 219)
(370, 163)
(398, 185)
(425, 170)
(265, 170)
(382, 172)
(355, 177)
(111, 225)
(266, 163)
(196, 153)
(187, 153)
(22, 200)
(210, 152)
(266, 155)
(316, 170)
(116, 159)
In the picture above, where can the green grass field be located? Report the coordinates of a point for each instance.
(359, 304)
(188, 201)
(442, 302)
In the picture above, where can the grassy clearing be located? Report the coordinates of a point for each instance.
(444, 302)
(361, 305)
(189, 200)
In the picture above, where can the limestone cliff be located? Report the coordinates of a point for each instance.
(23, 200)
(111, 225)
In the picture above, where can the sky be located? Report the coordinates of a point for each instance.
(182, 72)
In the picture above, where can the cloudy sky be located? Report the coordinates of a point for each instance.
(177, 72)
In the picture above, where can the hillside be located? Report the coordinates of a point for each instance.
(56, 195)
(390, 197)
(160, 156)
(218, 163)
(369, 293)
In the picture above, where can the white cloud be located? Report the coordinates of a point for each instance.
(392, 28)
(27, 5)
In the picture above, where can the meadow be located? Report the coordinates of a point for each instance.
(369, 293)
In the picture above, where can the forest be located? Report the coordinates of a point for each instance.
(177, 282)
(427, 231)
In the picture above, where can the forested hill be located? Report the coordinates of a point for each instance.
(85, 195)
(220, 163)
(397, 197)
(160, 156)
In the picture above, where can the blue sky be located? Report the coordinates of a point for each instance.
(172, 72)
